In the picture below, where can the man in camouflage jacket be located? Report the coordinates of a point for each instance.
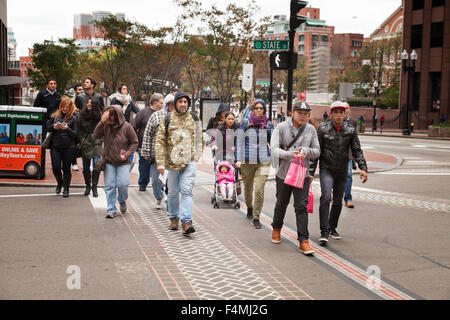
(179, 147)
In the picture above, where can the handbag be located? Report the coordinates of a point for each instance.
(48, 141)
(310, 208)
(78, 147)
(296, 174)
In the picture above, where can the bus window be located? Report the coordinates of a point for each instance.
(5, 133)
(29, 134)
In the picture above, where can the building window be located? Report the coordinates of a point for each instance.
(315, 38)
(416, 36)
(356, 44)
(418, 4)
(438, 3)
(301, 49)
(437, 34)
(286, 38)
(324, 38)
(435, 91)
(301, 38)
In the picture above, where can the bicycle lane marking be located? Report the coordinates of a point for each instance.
(361, 277)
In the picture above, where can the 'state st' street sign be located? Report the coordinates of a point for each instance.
(271, 45)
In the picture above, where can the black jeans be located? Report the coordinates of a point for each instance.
(283, 195)
(331, 182)
(62, 159)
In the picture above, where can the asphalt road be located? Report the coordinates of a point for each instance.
(398, 230)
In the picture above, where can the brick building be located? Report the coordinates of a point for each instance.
(345, 48)
(309, 36)
(85, 33)
(385, 34)
(427, 31)
(25, 63)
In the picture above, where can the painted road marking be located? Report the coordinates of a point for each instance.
(37, 195)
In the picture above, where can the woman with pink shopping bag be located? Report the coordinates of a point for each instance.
(294, 142)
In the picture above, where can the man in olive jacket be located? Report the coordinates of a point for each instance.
(336, 137)
(179, 145)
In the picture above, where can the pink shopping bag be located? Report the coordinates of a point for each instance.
(296, 174)
(310, 207)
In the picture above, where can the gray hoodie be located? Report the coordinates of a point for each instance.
(283, 135)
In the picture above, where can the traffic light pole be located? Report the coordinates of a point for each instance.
(290, 72)
(270, 94)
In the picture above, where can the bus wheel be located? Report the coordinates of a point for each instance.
(32, 170)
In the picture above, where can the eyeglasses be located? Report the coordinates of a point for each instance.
(258, 108)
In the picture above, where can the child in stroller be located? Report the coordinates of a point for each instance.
(225, 180)
(225, 176)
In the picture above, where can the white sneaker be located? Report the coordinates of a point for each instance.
(75, 167)
(158, 205)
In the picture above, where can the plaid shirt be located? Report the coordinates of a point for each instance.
(148, 142)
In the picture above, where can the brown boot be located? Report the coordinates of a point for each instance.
(188, 228)
(173, 224)
(276, 236)
(305, 248)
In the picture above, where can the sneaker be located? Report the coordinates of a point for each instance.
(276, 236)
(142, 189)
(335, 235)
(123, 207)
(349, 204)
(158, 205)
(188, 228)
(305, 248)
(111, 215)
(323, 238)
(249, 213)
(75, 167)
(256, 223)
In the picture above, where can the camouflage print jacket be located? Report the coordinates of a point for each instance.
(183, 143)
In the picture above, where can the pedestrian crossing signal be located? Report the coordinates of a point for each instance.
(283, 60)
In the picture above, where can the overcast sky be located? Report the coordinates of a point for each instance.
(36, 21)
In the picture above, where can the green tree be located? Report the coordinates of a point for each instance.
(227, 35)
(54, 60)
(123, 39)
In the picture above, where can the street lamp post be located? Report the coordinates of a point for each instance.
(241, 77)
(374, 120)
(409, 69)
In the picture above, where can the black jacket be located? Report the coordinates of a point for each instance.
(82, 99)
(48, 101)
(63, 139)
(131, 108)
(140, 123)
(334, 148)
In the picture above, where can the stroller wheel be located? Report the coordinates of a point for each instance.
(238, 205)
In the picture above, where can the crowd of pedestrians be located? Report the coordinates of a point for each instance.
(169, 140)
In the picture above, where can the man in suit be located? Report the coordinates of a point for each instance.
(348, 185)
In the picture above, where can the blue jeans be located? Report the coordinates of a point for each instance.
(331, 182)
(87, 163)
(117, 178)
(144, 172)
(348, 186)
(158, 187)
(181, 181)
